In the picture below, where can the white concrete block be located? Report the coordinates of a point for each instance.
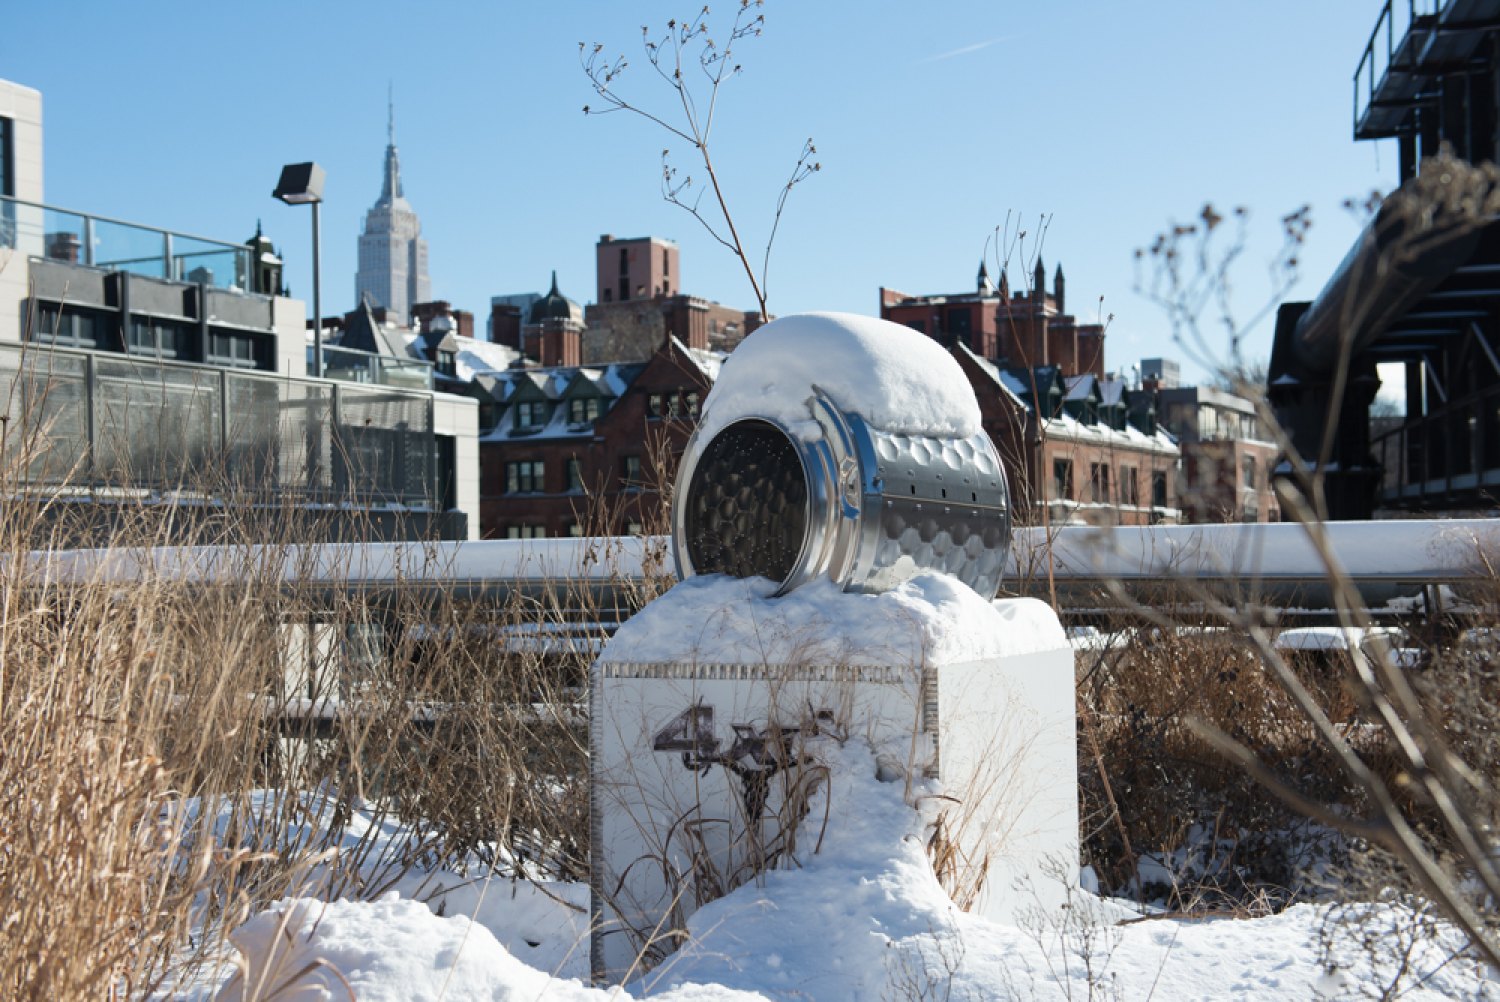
(699, 763)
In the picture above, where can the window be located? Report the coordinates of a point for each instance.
(67, 327)
(525, 531)
(531, 414)
(7, 161)
(656, 405)
(1130, 487)
(231, 351)
(575, 528)
(1098, 482)
(447, 362)
(525, 477)
(1158, 488)
(624, 261)
(609, 295)
(634, 529)
(624, 289)
(1062, 480)
(692, 404)
(631, 475)
(583, 409)
(1249, 473)
(575, 475)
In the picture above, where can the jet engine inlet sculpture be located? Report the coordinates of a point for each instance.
(839, 495)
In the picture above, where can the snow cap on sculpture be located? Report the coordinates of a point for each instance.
(842, 446)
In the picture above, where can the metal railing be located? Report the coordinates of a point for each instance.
(1453, 451)
(1273, 565)
(47, 231)
(1394, 22)
(350, 365)
(85, 421)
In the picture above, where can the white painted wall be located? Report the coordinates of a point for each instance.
(459, 417)
(23, 106)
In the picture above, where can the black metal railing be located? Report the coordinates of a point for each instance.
(1453, 452)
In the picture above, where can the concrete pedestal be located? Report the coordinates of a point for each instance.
(702, 765)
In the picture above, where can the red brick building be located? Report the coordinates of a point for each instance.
(1227, 457)
(1023, 330)
(1095, 455)
(635, 268)
(584, 450)
(1078, 447)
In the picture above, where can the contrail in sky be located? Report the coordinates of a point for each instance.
(963, 51)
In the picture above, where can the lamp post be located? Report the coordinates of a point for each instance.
(302, 184)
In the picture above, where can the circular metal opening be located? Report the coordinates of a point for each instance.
(746, 512)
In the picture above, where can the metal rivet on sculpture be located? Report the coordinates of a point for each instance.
(878, 471)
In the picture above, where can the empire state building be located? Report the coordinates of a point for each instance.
(392, 254)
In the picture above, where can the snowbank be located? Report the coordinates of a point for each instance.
(862, 919)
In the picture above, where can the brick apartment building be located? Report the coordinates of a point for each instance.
(1022, 330)
(1227, 458)
(1086, 447)
(573, 448)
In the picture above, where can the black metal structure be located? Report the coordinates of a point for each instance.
(1430, 79)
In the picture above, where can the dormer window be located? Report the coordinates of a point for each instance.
(583, 410)
(531, 414)
(447, 363)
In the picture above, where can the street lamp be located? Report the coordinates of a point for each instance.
(302, 184)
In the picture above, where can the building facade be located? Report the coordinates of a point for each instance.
(1227, 458)
(590, 450)
(635, 268)
(1078, 447)
(392, 254)
(178, 380)
(1016, 330)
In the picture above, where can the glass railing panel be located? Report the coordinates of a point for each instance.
(209, 262)
(157, 425)
(46, 414)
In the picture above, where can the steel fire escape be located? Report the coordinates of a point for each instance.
(1429, 78)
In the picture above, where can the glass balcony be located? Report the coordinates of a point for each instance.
(79, 238)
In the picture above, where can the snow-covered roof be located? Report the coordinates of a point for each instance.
(1079, 387)
(1066, 427)
(475, 356)
(1007, 383)
(610, 381)
(709, 362)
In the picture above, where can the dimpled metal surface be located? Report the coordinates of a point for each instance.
(747, 504)
(943, 506)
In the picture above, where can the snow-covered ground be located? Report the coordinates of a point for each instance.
(862, 919)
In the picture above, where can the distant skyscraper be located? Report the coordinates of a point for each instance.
(392, 254)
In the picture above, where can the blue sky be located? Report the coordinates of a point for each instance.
(932, 122)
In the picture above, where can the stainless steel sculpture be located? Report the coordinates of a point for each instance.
(867, 507)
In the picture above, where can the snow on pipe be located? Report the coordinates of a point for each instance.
(1422, 551)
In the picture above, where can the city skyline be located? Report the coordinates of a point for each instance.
(929, 130)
